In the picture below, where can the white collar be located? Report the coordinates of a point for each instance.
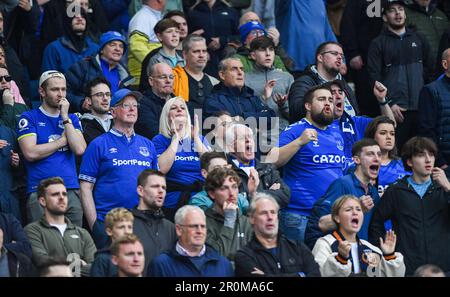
(184, 252)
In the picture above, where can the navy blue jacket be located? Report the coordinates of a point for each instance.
(61, 54)
(102, 265)
(80, 73)
(148, 114)
(434, 116)
(220, 21)
(345, 185)
(237, 102)
(8, 202)
(117, 13)
(172, 264)
(13, 231)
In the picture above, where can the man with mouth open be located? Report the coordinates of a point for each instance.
(353, 127)
(367, 157)
(312, 153)
(255, 175)
(418, 206)
(156, 233)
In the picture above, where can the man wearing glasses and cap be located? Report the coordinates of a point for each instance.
(112, 163)
(50, 138)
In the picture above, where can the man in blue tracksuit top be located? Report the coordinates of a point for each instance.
(312, 153)
(112, 163)
(360, 183)
(353, 127)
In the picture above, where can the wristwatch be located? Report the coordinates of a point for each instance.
(68, 121)
(386, 101)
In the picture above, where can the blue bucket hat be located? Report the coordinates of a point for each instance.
(122, 93)
(246, 28)
(111, 36)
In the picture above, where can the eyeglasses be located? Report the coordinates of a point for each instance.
(101, 95)
(7, 78)
(200, 90)
(334, 53)
(195, 226)
(163, 77)
(127, 106)
(257, 32)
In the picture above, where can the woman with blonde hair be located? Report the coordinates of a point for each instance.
(342, 253)
(179, 147)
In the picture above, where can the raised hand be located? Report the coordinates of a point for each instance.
(367, 203)
(64, 108)
(15, 159)
(388, 245)
(3, 143)
(344, 248)
(268, 89)
(440, 178)
(380, 91)
(253, 182)
(8, 97)
(307, 136)
(279, 99)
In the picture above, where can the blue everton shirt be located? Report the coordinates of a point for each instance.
(352, 129)
(48, 128)
(314, 167)
(113, 162)
(186, 167)
(389, 174)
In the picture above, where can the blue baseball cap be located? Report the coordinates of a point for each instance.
(111, 36)
(122, 93)
(246, 28)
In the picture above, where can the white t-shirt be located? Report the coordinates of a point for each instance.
(62, 228)
(355, 258)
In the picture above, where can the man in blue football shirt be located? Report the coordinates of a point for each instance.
(49, 138)
(312, 153)
(367, 157)
(112, 163)
(353, 127)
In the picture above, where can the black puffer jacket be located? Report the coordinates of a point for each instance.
(156, 233)
(422, 225)
(292, 258)
(402, 64)
(302, 84)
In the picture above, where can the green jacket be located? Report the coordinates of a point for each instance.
(9, 115)
(432, 24)
(225, 240)
(46, 241)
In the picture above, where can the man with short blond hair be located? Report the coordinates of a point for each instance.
(128, 255)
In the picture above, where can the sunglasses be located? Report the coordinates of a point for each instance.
(7, 78)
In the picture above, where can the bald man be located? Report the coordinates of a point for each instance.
(160, 79)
